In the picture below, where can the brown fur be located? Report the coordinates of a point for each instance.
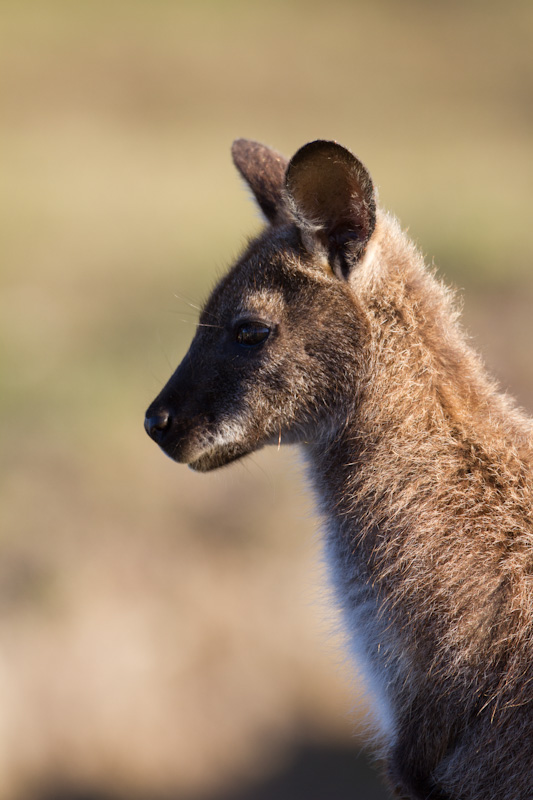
(421, 468)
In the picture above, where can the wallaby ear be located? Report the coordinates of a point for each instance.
(263, 170)
(331, 196)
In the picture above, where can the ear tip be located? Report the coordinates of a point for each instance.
(322, 144)
(240, 150)
(243, 151)
(320, 151)
(323, 148)
(239, 144)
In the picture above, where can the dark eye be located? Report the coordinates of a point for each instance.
(250, 334)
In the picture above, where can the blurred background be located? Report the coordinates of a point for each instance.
(165, 634)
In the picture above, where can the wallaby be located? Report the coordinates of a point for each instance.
(330, 332)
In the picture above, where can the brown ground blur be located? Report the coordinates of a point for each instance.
(162, 633)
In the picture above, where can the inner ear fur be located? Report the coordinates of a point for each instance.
(263, 169)
(331, 196)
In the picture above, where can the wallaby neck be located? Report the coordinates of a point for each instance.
(428, 439)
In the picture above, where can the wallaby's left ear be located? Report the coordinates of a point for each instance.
(263, 169)
(331, 196)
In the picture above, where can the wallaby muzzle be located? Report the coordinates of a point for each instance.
(169, 419)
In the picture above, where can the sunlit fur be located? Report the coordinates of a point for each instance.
(421, 468)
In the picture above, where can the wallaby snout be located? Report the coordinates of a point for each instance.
(170, 418)
(168, 428)
(157, 422)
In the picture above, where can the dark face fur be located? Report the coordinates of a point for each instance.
(278, 328)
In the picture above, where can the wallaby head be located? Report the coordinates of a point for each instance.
(278, 330)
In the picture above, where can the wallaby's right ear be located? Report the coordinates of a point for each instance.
(263, 170)
(331, 197)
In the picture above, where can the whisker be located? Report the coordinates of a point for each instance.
(193, 321)
(193, 305)
(185, 300)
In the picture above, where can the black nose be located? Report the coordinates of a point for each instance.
(156, 423)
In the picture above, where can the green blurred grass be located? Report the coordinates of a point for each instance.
(123, 575)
